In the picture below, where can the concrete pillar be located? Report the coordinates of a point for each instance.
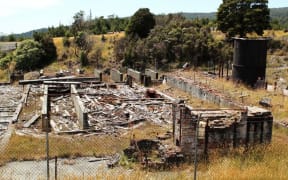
(98, 74)
(147, 81)
(152, 74)
(116, 75)
(46, 127)
(136, 75)
(80, 109)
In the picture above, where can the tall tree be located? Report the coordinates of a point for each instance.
(238, 17)
(79, 23)
(47, 45)
(141, 23)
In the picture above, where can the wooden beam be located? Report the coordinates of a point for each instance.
(31, 121)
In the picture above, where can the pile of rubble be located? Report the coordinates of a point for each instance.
(122, 107)
(110, 108)
(10, 98)
(155, 153)
(62, 115)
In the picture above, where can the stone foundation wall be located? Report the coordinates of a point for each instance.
(80, 109)
(116, 75)
(98, 74)
(152, 74)
(196, 90)
(136, 75)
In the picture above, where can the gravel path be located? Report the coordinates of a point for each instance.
(80, 167)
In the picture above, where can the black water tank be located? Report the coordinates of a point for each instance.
(249, 61)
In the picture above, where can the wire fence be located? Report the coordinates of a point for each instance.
(70, 151)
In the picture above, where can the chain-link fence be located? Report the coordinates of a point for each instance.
(88, 128)
(88, 125)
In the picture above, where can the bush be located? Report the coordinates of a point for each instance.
(66, 42)
(83, 59)
(28, 55)
(4, 62)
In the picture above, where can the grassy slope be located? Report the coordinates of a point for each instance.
(106, 48)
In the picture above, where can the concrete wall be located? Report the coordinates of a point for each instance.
(98, 74)
(136, 75)
(116, 75)
(201, 93)
(219, 129)
(151, 73)
(80, 109)
(259, 125)
(253, 126)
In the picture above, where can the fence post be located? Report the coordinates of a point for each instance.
(55, 167)
(196, 148)
(206, 140)
(47, 154)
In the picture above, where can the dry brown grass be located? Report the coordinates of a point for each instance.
(251, 96)
(262, 162)
(218, 35)
(190, 100)
(276, 34)
(65, 54)
(4, 76)
(33, 148)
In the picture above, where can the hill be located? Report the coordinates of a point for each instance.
(211, 15)
(29, 34)
(278, 15)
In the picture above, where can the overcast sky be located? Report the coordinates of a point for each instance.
(17, 16)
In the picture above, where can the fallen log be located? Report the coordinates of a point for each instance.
(68, 78)
(31, 121)
(17, 112)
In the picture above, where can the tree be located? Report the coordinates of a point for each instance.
(47, 45)
(238, 17)
(5, 61)
(28, 55)
(96, 57)
(79, 23)
(83, 59)
(141, 23)
(11, 38)
(82, 42)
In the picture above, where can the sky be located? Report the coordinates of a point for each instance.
(17, 16)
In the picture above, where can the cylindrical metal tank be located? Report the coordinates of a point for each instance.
(249, 60)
